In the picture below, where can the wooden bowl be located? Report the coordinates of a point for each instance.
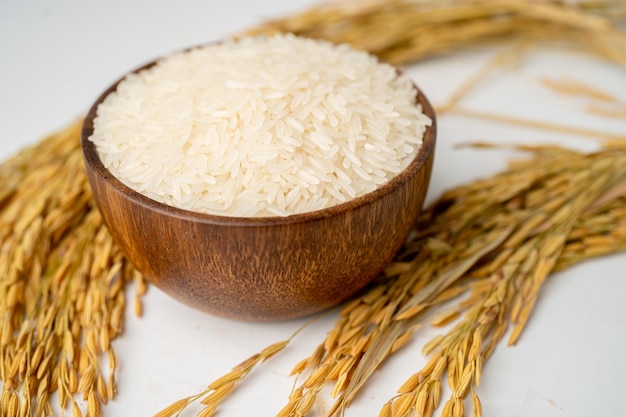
(262, 269)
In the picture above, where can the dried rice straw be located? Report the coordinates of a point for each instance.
(62, 290)
(62, 284)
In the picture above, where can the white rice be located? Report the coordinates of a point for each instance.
(263, 126)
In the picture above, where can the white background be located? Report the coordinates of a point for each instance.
(57, 56)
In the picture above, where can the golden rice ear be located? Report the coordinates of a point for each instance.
(49, 230)
(62, 290)
(456, 25)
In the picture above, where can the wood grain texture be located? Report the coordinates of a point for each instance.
(262, 269)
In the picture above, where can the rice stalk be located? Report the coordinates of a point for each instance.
(467, 233)
(599, 102)
(49, 342)
(219, 389)
(509, 291)
(404, 31)
(61, 284)
(535, 124)
(574, 88)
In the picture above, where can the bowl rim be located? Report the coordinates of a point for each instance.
(94, 163)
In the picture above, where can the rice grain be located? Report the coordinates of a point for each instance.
(261, 126)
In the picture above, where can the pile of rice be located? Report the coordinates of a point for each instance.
(262, 126)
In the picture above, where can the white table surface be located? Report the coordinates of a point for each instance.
(57, 56)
